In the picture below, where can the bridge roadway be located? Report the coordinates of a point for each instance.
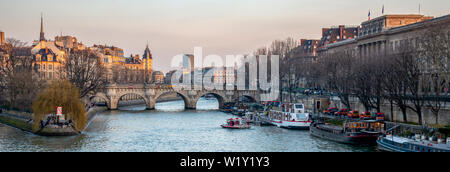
(112, 94)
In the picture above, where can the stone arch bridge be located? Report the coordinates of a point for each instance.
(112, 94)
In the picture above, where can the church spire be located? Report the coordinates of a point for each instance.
(147, 53)
(42, 37)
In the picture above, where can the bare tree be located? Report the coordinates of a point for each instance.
(404, 80)
(283, 48)
(394, 84)
(434, 52)
(84, 70)
(337, 73)
(18, 78)
(366, 85)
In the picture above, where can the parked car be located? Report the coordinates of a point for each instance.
(342, 112)
(331, 111)
(366, 115)
(380, 116)
(353, 114)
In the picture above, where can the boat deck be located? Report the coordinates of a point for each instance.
(425, 143)
(330, 127)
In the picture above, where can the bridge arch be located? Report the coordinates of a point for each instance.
(186, 99)
(248, 98)
(119, 97)
(101, 96)
(220, 98)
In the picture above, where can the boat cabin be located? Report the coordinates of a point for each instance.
(292, 108)
(234, 122)
(368, 126)
(289, 112)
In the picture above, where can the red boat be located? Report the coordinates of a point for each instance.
(236, 123)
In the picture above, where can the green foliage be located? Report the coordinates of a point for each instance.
(335, 122)
(406, 133)
(18, 123)
(64, 94)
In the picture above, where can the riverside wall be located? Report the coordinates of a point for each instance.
(428, 117)
(16, 122)
(24, 121)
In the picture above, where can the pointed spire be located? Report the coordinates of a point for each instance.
(147, 53)
(42, 37)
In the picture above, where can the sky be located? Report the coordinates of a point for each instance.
(172, 27)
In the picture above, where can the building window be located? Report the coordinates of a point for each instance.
(50, 67)
(44, 68)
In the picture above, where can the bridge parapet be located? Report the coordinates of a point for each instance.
(150, 93)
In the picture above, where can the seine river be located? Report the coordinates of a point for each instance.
(170, 129)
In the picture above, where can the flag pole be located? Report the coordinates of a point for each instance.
(419, 9)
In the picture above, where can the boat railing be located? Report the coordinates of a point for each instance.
(393, 128)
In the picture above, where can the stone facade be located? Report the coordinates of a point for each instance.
(385, 34)
(337, 34)
(158, 77)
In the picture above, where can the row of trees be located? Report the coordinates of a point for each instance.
(288, 65)
(20, 81)
(24, 90)
(19, 84)
(414, 76)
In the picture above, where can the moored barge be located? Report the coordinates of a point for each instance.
(392, 143)
(361, 132)
(290, 116)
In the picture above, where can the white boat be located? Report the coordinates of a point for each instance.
(290, 116)
(392, 143)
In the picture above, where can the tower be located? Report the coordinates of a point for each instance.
(42, 37)
(2, 38)
(147, 62)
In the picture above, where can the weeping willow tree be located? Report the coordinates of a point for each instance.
(60, 94)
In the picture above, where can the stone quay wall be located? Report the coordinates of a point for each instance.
(428, 117)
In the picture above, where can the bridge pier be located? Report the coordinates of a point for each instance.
(150, 105)
(113, 104)
(191, 105)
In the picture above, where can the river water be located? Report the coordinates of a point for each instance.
(170, 129)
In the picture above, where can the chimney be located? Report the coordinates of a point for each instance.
(341, 32)
(302, 42)
(324, 30)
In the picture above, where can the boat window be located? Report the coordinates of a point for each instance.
(299, 106)
(301, 116)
